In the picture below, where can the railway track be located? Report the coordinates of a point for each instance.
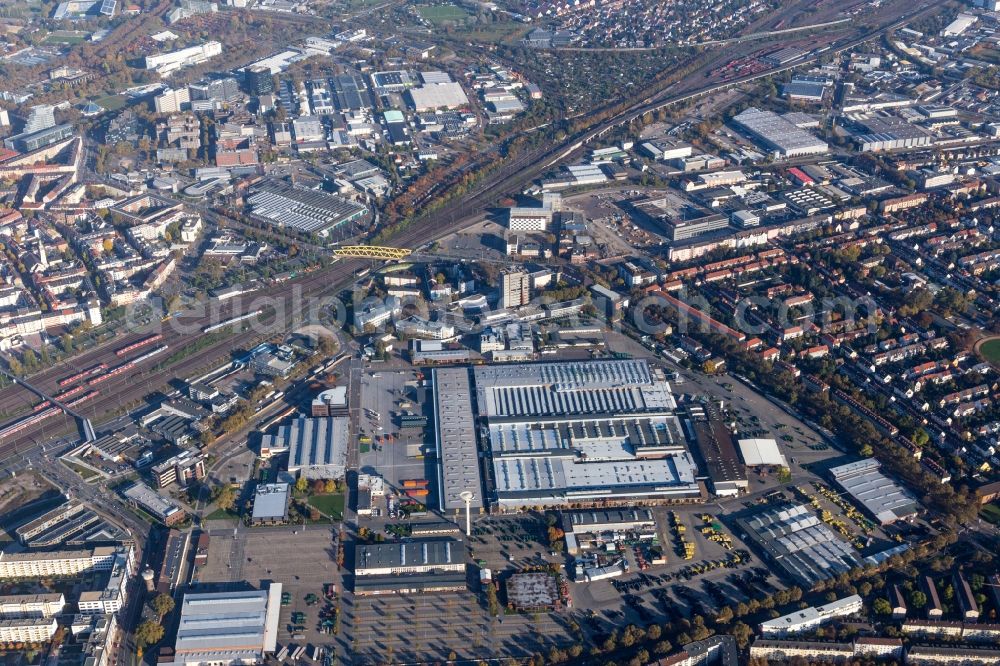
(511, 178)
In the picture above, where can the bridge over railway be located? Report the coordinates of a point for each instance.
(371, 252)
(86, 427)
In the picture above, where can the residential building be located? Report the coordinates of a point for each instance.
(19, 606)
(27, 630)
(514, 288)
(60, 563)
(813, 616)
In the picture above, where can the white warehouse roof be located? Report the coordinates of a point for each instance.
(757, 452)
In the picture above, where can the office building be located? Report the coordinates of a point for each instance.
(34, 528)
(317, 447)
(331, 402)
(167, 63)
(182, 469)
(259, 81)
(227, 628)
(172, 100)
(219, 90)
(40, 117)
(112, 596)
(98, 637)
(163, 509)
(514, 289)
(27, 142)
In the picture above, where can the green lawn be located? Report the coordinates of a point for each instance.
(991, 513)
(442, 13)
(991, 350)
(221, 514)
(64, 37)
(331, 505)
(84, 472)
(111, 102)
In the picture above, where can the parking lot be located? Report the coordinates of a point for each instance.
(302, 560)
(430, 627)
(386, 393)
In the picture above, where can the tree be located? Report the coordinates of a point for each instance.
(330, 486)
(742, 633)
(318, 487)
(881, 606)
(148, 633)
(301, 484)
(225, 497)
(918, 599)
(162, 604)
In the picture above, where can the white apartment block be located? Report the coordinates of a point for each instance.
(811, 617)
(21, 606)
(27, 630)
(62, 563)
(112, 598)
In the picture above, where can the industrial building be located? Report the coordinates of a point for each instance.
(593, 432)
(880, 496)
(716, 450)
(782, 137)
(445, 581)
(455, 440)
(302, 210)
(317, 447)
(582, 528)
(799, 543)
(227, 628)
(807, 618)
(270, 504)
(417, 556)
(761, 453)
(447, 95)
(878, 133)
